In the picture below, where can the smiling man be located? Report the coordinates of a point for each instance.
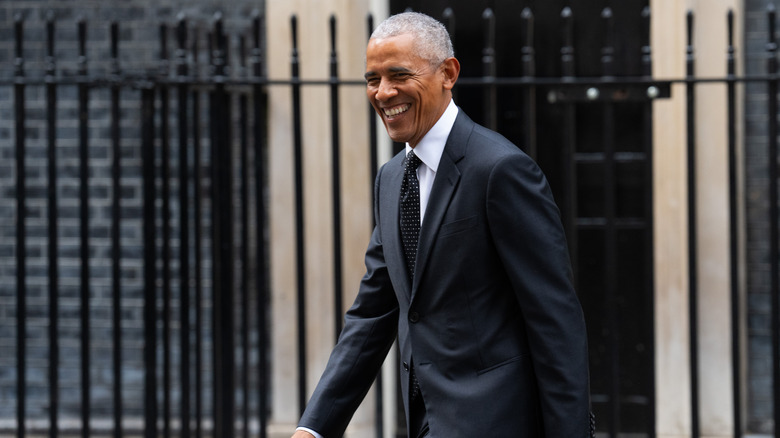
(467, 267)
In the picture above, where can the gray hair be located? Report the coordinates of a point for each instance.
(432, 39)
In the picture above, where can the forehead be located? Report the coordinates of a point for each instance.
(392, 52)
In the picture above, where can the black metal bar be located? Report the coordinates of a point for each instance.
(261, 278)
(150, 271)
(736, 326)
(379, 426)
(490, 102)
(569, 202)
(610, 235)
(198, 249)
(567, 51)
(53, 247)
(222, 232)
(83, 92)
(338, 301)
(184, 224)
(528, 57)
(244, 188)
(448, 18)
(116, 218)
(372, 128)
(774, 233)
(165, 195)
(649, 290)
(692, 237)
(21, 245)
(299, 214)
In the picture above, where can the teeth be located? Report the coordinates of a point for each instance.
(395, 111)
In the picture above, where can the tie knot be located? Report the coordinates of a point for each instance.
(412, 161)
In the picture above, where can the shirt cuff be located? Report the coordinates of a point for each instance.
(306, 429)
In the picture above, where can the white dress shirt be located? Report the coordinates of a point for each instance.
(429, 150)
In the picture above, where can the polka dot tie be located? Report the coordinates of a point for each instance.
(410, 210)
(410, 233)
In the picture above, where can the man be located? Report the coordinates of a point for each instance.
(491, 334)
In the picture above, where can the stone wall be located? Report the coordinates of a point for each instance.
(759, 364)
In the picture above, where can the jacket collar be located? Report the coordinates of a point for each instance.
(444, 186)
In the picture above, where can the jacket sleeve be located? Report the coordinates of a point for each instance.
(370, 328)
(526, 228)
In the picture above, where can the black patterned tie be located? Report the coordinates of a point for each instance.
(410, 233)
(410, 210)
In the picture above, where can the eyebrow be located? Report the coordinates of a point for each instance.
(391, 69)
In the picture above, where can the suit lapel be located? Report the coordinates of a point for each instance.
(390, 218)
(447, 179)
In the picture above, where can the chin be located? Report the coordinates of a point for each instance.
(398, 138)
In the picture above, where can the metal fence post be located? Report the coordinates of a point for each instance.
(261, 260)
(299, 213)
(53, 245)
(222, 232)
(692, 228)
(83, 92)
(150, 271)
(21, 252)
(774, 233)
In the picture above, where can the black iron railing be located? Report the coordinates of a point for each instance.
(189, 198)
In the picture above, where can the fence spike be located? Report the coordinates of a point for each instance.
(19, 36)
(257, 51)
(608, 51)
(771, 12)
(82, 36)
(219, 47)
(50, 17)
(163, 60)
(488, 53)
(689, 24)
(256, 17)
(294, 31)
(527, 35)
(332, 23)
(181, 51)
(646, 46)
(449, 22)
(730, 51)
(567, 51)
(114, 31)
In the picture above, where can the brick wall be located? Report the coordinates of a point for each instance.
(139, 32)
(756, 195)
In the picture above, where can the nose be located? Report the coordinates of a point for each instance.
(385, 91)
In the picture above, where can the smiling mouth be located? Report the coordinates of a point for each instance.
(395, 111)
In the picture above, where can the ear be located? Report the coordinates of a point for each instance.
(450, 70)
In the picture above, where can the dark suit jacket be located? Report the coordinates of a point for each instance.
(492, 319)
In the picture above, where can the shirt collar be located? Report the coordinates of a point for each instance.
(431, 146)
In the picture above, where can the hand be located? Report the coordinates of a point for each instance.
(302, 434)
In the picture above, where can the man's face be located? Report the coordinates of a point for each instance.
(406, 90)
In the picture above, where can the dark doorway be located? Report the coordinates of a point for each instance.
(597, 156)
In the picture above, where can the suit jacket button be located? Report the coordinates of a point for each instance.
(414, 317)
(406, 367)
